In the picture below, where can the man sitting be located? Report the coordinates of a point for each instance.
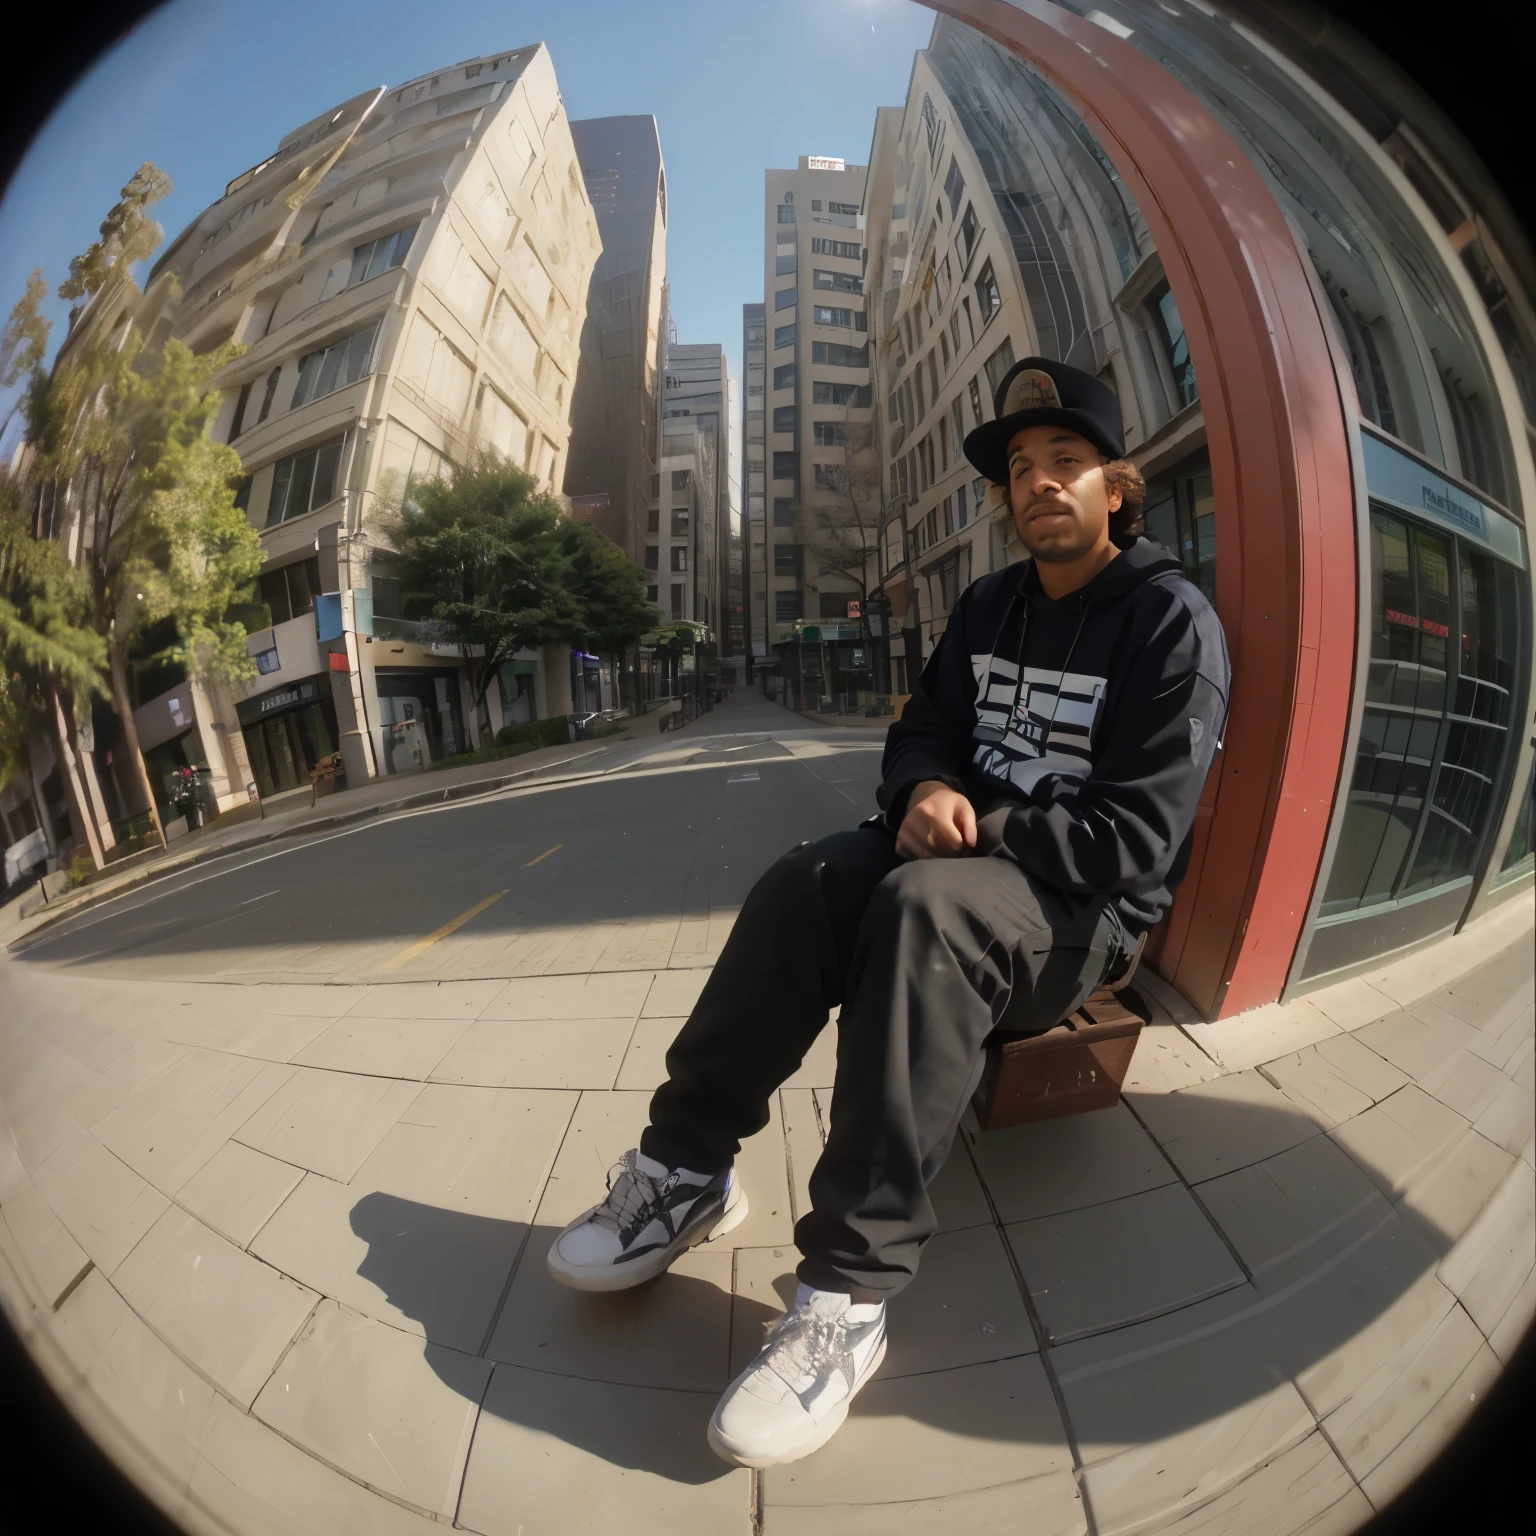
(1038, 796)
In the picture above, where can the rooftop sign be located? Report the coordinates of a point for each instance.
(822, 163)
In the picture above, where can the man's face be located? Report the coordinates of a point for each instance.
(1056, 490)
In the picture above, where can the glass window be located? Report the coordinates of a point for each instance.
(271, 391)
(786, 213)
(829, 434)
(784, 299)
(954, 186)
(788, 606)
(823, 314)
(1437, 716)
(334, 367)
(998, 365)
(839, 282)
(304, 482)
(848, 249)
(970, 227)
(783, 336)
(679, 557)
(1523, 838)
(786, 559)
(857, 395)
(1170, 329)
(986, 292)
(784, 378)
(782, 267)
(679, 522)
(381, 255)
(974, 389)
(783, 418)
(786, 466)
(783, 512)
(835, 355)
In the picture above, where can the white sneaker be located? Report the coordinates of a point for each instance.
(652, 1214)
(794, 1397)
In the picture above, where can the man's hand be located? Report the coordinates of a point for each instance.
(939, 824)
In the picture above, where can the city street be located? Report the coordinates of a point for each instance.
(287, 1136)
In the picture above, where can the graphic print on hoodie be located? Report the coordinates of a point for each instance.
(1092, 719)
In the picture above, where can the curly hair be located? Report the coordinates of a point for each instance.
(1126, 524)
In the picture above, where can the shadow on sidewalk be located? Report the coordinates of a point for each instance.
(561, 1355)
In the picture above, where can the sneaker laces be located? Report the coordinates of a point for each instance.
(809, 1344)
(635, 1198)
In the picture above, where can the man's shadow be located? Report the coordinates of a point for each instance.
(632, 1377)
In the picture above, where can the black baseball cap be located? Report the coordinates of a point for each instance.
(1040, 391)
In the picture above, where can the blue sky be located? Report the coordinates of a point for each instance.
(205, 88)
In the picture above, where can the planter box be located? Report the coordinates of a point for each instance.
(1076, 1067)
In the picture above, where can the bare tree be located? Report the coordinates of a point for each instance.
(842, 533)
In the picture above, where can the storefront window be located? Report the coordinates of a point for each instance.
(1523, 838)
(1437, 716)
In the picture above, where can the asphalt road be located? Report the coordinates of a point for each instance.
(683, 830)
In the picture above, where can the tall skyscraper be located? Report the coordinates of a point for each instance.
(615, 436)
(821, 509)
(692, 520)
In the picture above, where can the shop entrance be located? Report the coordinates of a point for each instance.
(285, 743)
(430, 697)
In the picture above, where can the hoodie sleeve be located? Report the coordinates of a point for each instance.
(932, 740)
(1121, 829)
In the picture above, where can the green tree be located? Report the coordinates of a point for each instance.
(24, 342)
(128, 236)
(479, 555)
(48, 645)
(609, 590)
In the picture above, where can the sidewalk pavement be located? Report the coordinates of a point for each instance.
(281, 1248)
(742, 710)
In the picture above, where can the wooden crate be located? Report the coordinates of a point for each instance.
(1076, 1067)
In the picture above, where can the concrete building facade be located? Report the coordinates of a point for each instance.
(688, 536)
(408, 274)
(811, 543)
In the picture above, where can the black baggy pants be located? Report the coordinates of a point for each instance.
(926, 957)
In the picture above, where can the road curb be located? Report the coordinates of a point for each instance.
(450, 793)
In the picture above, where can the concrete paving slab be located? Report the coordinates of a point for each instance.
(403, 1048)
(1509, 1118)
(1438, 1426)
(1295, 1210)
(254, 1481)
(609, 995)
(1413, 1044)
(1214, 1127)
(1166, 1059)
(1450, 1193)
(1065, 1164)
(1375, 1419)
(170, 1129)
(221, 1310)
(558, 1454)
(803, 1144)
(644, 1066)
(819, 1069)
(1261, 1034)
(1305, 1491)
(1045, 1506)
(426, 1235)
(1105, 1266)
(910, 1438)
(1334, 1079)
(53, 1260)
(538, 1053)
(378, 1405)
(106, 1205)
(419, 1000)
(1398, 1140)
(1169, 1416)
(1489, 1264)
(327, 1122)
(673, 1332)
(236, 1191)
(673, 993)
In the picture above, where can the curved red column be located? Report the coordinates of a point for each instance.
(1285, 519)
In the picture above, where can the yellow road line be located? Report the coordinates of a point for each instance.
(421, 945)
(544, 855)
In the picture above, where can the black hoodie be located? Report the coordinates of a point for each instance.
(1088, 769)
